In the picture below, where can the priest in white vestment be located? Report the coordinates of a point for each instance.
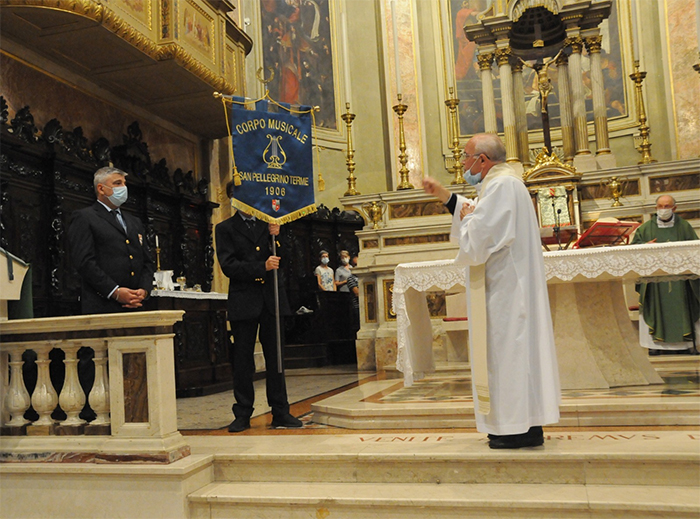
(499, 236)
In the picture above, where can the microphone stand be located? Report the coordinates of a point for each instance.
(557, 227)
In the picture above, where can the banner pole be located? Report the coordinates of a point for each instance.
(277, 310)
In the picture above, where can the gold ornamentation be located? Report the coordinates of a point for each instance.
(389, 313)
(404, 183)
(374, 211)
(457, 168)
(350, 153)
(503, 56)
(485, 60)
(616, 188)
(645, 145)
(261, 77)
(547, 160)
(594, 44)
(117, 25)
(575, 42)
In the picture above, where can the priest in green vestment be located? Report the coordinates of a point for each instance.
(669, 311)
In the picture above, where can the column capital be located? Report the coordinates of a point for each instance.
(503, 56)
(562, 59)
(575, 42)
(485, 60)
(594, 43)
(516, 65)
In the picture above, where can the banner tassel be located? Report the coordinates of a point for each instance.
(236, 176)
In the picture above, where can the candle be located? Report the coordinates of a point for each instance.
(396, 47)
(157, 245)
(633, 36)
(346, 61)
(697, 20)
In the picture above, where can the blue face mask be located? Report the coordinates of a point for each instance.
(472, 179)
(119, 195)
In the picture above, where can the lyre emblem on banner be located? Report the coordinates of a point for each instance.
(274, 156)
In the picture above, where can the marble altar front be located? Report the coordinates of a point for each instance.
(597, 344)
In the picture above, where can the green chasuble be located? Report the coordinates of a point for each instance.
(669, 308)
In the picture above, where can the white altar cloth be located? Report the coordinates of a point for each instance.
(577, 310)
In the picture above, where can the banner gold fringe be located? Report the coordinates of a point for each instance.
(299, 213)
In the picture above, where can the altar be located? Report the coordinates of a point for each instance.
(597, 343)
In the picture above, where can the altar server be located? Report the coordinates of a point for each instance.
(516, 384)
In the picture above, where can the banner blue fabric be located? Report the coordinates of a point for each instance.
(272, 153)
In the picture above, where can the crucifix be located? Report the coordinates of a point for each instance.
(544, 85)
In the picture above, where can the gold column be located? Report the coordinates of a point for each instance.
(600, 111)
(566, 114)
(510, 133)
(520, 113)
(490, 123)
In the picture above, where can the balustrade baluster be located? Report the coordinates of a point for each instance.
(72, 398)
(17, 400)
(99, 395)
(44, 398)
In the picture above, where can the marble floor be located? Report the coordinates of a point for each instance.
(213, 412)
(337, 398)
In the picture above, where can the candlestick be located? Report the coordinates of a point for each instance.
(396, 47)
(157, 257)
(350, 153)
(404, 183)
(452, 103)
(645, 147)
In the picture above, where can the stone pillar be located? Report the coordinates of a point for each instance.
(583, 160)
(565, 111)
(490, 123)
(44, 398)
(509, 131)
(520, 114)
(604, 157)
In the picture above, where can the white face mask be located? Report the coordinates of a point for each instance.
(664, 214)
(345, 261)
(119, 195)
(324, 261)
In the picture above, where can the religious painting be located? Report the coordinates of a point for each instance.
(297, 45)
(198, 29)
(467, 74)
(139, 10)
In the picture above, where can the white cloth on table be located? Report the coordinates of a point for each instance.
(503, 233)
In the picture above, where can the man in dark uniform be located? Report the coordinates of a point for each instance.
(108, 251)
(243, 249)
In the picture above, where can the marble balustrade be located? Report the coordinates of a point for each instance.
(132, 395)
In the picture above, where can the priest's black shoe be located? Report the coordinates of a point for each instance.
(239, 424)
(534, 437)
(286, 421)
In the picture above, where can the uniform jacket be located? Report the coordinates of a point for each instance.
(242, 253)
(105, 256)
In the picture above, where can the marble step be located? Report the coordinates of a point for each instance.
(527, 466)
(444, 501)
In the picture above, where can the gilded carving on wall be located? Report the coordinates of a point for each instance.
(139, 10)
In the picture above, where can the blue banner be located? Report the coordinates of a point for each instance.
(273, 156)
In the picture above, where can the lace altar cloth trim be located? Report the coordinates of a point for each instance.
(673, 259)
